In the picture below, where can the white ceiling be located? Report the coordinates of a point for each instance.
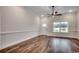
(43, 10)
(66, 9)
(39, 10)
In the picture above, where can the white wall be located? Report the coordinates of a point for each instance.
(0, 29)
(18, 24)
(44, 30)
(78, 24)
(70, 17)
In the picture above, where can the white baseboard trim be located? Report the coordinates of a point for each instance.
(63, 36)
(14, 43)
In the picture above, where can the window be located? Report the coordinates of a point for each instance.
(60, 27)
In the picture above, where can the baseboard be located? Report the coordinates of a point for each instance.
(63, 37)
(14, 43)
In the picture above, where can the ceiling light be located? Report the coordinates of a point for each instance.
(42, 15)
(70, 10)
(44, 25)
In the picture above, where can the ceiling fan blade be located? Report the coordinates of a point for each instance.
(58, 14)
(48, 15)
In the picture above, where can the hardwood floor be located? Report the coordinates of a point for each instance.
(45, 44)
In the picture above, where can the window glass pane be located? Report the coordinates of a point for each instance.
(56, 30)
(56, 24)
(64, 29)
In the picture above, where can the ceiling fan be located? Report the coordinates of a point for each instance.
(54, 13)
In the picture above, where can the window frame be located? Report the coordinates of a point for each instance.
(60, 27)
